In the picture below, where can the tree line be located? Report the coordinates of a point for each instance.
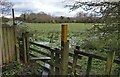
(45, 18)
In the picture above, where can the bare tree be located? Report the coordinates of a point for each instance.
(5, 7)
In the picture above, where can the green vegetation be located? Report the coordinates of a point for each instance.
(50, 32)
(42, 17)
(57, 26)
(15, 68)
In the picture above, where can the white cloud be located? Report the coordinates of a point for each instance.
(53, 7)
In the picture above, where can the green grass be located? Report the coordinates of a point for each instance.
(52, 31)
(57, 26)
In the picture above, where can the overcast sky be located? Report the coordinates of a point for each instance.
(52, 7)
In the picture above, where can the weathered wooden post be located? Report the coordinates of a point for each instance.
(25, 47)
(52, 63)
(64, 50)
(17, 52)
(57, 62)
(75, 61)
(110, 60)
(89, 63)
(13, 16)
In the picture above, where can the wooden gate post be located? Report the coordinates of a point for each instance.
(57, 62)
(89, 65)
(64, 50)
(25, 47)
(13, 16)
(110, 60)
(17, 52)
(52, 64)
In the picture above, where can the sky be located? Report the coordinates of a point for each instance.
(51, 7)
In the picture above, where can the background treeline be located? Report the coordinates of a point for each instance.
(45, 18)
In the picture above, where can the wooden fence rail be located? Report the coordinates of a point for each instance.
(89, 62)
(54, 55)
(94, 56)
(55, 58)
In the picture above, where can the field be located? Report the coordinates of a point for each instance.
(51, 31)
(57, 26)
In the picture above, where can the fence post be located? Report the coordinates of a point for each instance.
(110, 59)
(64, 50)
(24, 48)
(89, 63)
(13, 16)
(57, 62)
(27, 46)
(52, 63)
(17, 52)
(75, 61)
